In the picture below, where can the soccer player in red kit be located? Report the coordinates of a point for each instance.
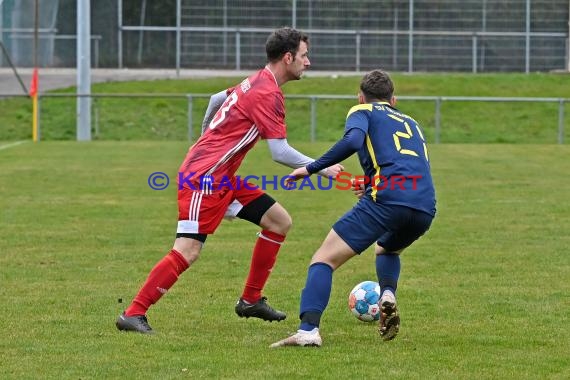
(209, 190)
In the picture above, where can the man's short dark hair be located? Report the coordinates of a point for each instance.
(282, 41)
(377, 85)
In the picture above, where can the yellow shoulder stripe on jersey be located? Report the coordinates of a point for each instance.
(396, 118)
(359, 107)
(376, 167)
(420, 132)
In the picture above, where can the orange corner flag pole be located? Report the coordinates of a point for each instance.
(34, 95)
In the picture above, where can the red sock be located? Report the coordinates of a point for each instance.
(160, 279)
(262, 261)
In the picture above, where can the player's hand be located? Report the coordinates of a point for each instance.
(296, 175)
(357, 189)
(332, 171)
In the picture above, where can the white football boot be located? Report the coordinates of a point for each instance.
(301, 338)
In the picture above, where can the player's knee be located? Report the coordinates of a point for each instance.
(277, 220)
(189, 248)
(284, 223)
(191, 257)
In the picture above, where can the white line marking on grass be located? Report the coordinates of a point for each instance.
(12, 144)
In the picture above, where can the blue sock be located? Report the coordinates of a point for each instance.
(315, 295)
(388, 271)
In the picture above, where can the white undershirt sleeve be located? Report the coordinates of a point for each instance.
(285, 154)
(214, 105)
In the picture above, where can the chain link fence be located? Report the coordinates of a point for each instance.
(17, 23)
(409, 35)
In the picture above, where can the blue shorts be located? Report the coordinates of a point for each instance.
(393, 227)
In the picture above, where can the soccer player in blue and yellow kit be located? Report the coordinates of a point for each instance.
(396, 205)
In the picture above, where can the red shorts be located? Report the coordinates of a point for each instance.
(200, 213)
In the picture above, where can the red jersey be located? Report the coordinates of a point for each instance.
(255, 109)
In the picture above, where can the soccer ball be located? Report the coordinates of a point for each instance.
(363, 301)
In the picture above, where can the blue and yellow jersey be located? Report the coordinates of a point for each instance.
(394, 157)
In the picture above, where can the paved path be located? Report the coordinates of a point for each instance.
(61, 78)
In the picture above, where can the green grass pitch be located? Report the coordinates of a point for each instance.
(485, 294)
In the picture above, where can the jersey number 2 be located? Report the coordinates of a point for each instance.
(407, 135)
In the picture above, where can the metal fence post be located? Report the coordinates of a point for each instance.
(178, 42)
(561, 121)
(39, 117)
(527, 40)
(238, 50)
(294, 15)
(96, 63)
(474, 53)
(141, 33)
(411, 38)
(568, 51)
(83, 121)
(357, 51)
(568, 42)
(1, 31)
(120, 33)
(225, 33)
(437, 119)
(96, 116)
(483, 29)
(313, 118)
(395, 41)
(190, 106)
